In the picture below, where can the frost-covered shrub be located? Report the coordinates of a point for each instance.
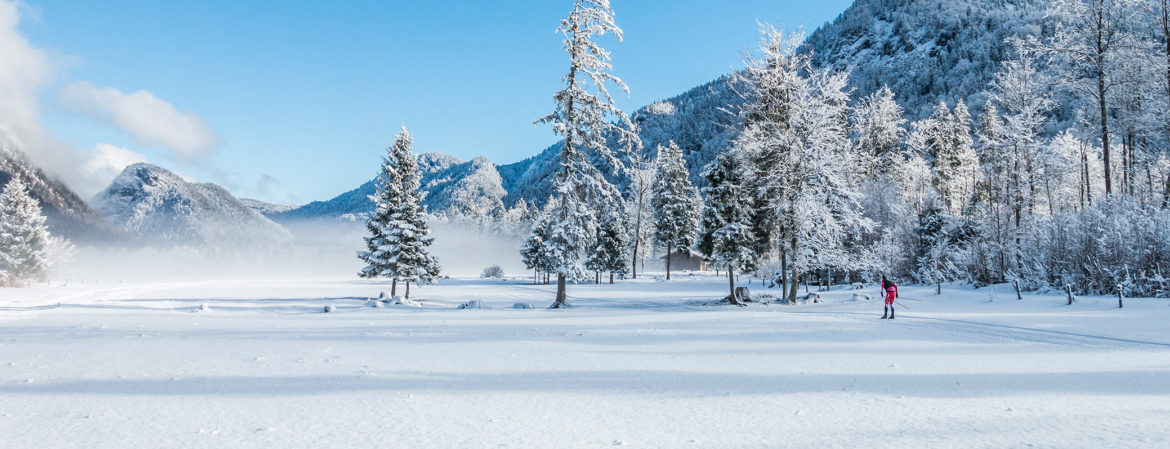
(473, 304)
(493, 271)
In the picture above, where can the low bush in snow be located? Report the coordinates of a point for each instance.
(493, 271)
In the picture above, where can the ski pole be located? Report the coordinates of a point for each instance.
(903, 305)
(912, 299)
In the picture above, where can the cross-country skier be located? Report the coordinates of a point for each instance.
(890, 290)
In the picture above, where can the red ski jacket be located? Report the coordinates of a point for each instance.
(891, 290)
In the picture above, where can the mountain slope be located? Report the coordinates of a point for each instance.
(450, 185)
(926, 51)
(159, 207)
(66, 213)
(266, 209)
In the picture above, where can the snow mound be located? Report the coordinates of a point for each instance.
(522, 305)
(400, 301)
(473, 304)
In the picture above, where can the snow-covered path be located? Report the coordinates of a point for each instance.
(638, 364)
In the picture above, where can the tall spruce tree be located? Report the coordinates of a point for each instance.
(675, 203)
(582, 117)
(410, 234)
(399, 235)
(387, 197)
(725, 237)
(24, 237)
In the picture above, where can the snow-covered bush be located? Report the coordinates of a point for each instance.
(493, 271)
(473, 304)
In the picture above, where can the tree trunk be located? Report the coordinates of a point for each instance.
(535, 276)
(783, 271)
(407, 290)
(393, 288)
(1166, 37)
(1088, 177)
(1166, 194)
(793, 287)
(1104, 111)
(731, 284)
(793, 277)
(634, 260)
(561, 294)
(610, 278)
(668, 249)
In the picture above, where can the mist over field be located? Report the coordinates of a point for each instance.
(318, 250)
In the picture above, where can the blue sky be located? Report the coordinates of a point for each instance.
(301, 97)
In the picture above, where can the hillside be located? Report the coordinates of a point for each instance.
(67, 214)
(159, 207)
(450, 185)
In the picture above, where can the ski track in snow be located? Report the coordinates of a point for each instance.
(643, 363)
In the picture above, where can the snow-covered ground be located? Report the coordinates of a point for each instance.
(638, 364)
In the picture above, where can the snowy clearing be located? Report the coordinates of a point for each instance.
(638, 364)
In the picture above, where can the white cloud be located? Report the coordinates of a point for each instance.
(105, 164)
(148, 118)
(24, 71)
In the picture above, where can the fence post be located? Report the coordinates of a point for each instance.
(1016, 283)
(1068, 289)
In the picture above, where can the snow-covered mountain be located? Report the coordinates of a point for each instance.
(265, 208)
(452, 186)
(926, 50)
(67, 214)
(158, 206)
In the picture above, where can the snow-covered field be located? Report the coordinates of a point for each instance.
(639, 364)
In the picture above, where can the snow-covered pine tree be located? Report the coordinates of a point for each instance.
(674, 202)
(956, 168)
(942, 246)
(879, 126)
(408, 235)
(725, 236)
(612, 249)
(379, 255)
(24, 237)
(533, 252)
(582, 117)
